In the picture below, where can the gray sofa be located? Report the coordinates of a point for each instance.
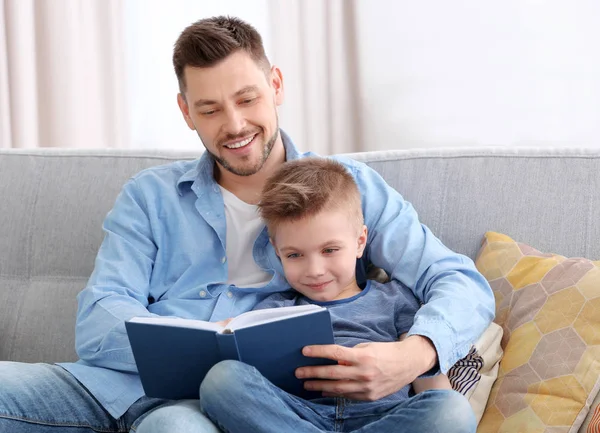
(53, 203)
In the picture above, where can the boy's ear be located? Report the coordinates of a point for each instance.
(362, 241)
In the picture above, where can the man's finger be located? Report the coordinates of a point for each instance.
(357, 396)
(335, 388)
(328, 372)
(331, 351)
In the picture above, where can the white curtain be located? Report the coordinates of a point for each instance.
(314, 43)
(62, 76)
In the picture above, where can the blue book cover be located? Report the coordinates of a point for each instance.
(173, 355)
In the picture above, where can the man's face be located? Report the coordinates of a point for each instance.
(232, 107)
(319, 254)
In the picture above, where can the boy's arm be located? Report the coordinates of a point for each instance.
(225, 322)
(458, 301)
(439, 381)
(118, 288)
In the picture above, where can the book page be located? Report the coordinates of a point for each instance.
(253, 318)
(179, 322)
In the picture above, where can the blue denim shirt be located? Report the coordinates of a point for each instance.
(164, 254)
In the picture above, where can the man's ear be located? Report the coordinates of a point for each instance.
(277, 84)
(274, 246)
(362, 241)
(185, 110)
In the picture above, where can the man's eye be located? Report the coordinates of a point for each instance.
(208, 113)
(248, 101)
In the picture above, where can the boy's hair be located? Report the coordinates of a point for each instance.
(304, 187)
(208, 41)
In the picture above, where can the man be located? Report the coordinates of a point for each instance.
(185, 240)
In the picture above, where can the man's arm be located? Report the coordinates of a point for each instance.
(118, 287)
(422, 384)
(458, 301)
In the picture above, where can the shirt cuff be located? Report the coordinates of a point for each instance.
(441, 335)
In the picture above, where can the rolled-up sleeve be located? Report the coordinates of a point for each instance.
(118, 287)
(458, 304)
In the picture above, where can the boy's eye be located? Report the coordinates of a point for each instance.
(293, 256)
(330, 250)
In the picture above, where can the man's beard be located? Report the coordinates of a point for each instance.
(248, 171)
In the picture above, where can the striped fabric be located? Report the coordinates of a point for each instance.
(594, 425)
(465, 374)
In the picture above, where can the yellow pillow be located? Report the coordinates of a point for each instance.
(549, 308)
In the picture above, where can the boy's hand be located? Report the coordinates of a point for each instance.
(225, 322)
(368, 371)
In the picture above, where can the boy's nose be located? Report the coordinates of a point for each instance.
(315, 268)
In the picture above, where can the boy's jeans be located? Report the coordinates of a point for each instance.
(44, 398)
(239, 399)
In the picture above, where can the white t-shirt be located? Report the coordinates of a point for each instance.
(243, 227)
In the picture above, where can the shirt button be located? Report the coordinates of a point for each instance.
(229, 295)
(203, 293)
(224, 259)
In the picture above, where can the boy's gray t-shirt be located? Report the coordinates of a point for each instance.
(379, 313)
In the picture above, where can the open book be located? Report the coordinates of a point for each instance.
(173, 355)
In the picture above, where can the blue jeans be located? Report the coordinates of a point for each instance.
(44, 398)
(237, 398)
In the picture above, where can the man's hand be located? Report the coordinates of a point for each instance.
(368, 371)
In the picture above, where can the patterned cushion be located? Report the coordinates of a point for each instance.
(474, 375)
(549, 309)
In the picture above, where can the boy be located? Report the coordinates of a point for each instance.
(312, 209)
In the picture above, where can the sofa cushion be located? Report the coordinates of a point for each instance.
(549, 308)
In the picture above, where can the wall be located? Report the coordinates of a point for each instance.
(512, 72)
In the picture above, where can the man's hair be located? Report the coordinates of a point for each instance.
(208, 41)
(307, 186)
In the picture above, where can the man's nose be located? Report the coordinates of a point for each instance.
(234, 121)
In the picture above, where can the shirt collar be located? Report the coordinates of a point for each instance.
(202, 174)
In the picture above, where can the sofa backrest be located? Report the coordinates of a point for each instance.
(53, 203)
(547, 198)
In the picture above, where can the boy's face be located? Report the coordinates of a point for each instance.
(233, 108)
(319, 254)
